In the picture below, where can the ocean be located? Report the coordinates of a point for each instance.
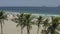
(36, 10)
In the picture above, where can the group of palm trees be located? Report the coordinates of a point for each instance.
(25, 20)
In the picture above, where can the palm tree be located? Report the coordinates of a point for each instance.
(2, 18)
(24, 20)
(45, 25)
(28, 22)
(20, 21)
(38, 23)
(52, 28)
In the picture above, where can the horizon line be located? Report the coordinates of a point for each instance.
(27, 6)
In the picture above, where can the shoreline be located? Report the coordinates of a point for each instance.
(34, 14)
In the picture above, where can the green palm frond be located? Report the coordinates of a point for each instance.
(45, 23)
(3, 16)
(44, 32)
(15, 20)
(39, 20)
(28, 21)
(17, 25)
(23, 26)
(20, 20)
(55, 22)
(54, 32)
(40, 17)
(53, 27)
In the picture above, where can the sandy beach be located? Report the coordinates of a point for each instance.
(10, 27)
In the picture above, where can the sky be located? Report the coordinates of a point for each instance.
(38, 3)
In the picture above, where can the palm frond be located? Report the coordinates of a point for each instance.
(45, 23)
(39, 20)
(3, 16)
(17, 25)
(44, 32)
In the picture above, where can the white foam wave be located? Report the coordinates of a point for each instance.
(44, 14)
(35, 14)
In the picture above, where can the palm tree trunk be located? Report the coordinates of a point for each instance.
(28, 32)
(21, 30)
(38, 30)
(1, 28)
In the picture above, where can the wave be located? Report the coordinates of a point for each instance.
(46, 15)
(34, 14)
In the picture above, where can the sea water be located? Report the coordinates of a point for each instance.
(44, 11)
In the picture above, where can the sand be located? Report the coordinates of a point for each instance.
(10, 27)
